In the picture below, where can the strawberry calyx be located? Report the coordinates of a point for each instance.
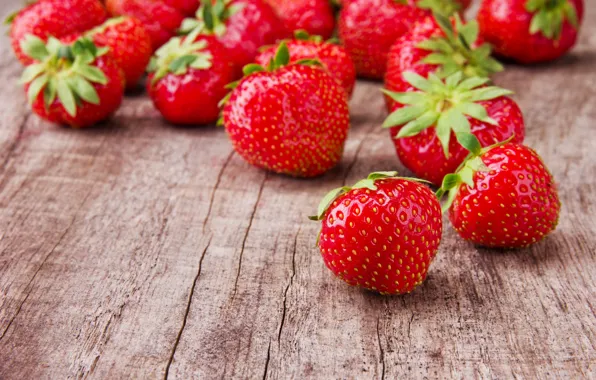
(442, 7)
(455, 52)
(303, 35)
(63, 71)
(465, 172)
(442, 104)
(179, 55)
(279, 60)
(367, 183)
(549, 16)
(211, 17)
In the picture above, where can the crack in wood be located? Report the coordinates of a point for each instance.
(283, 316)
(13, 146)
(29, 284)
(381, 350)
(187, 311)
(267, 361)
(217, 182)
(252, 216)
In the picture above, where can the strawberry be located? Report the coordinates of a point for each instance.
(502, 196)
(188, 79)
(333, 57)
(159, 19)
(242, 26)
(186, 7)
(291, 119)
(314, 16)
(433, 111)
(368, 28)
(531, 31)
(381, 234)
(57, 18)
(129, 44)
(434, 45)
(76, 85)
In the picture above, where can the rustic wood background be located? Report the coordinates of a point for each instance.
(139, 249)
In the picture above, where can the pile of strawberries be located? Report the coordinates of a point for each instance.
(268, 72)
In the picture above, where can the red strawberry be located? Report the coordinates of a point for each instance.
(188, 79)
(531, 31)
(57, 18)
(381, 234)
(426, 119)
(368, 28)
(435, 46)
(186, 7)
(334, 57)
(314, 16)
(129, 44)
(160, 20)
(242, 26)
(290, 119)
(502, 196)
(76, 85)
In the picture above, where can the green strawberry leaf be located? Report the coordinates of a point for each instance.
(66, 97)
(417, 125)
(282, 56)
(34, 48)
(32, 72)
(403, 115)
(252, 68)
(50, 92)
(84, 89)
(92, 73)
(470, 142)
(36, 86)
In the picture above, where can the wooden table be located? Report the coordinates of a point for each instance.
(139, 249)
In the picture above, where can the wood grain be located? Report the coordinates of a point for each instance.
(138, 249)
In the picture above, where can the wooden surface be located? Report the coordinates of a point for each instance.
(138, 249)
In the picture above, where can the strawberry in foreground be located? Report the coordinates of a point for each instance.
(314, 16)
(432, 112)
(129, 44)
(159, 19)
(502, 196)
(334, 57)
(288, 118)
(381, 234)
(368, 28)
(57, 18)
(531, 31)
(76, 85)
(188, 78)
(436, 46)
(242, 26)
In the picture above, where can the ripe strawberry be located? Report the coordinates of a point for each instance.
(432, 111)
(129, 44)
(57, 18)
(188, 79)
(314, 16)
(502, 196)
(76, 85)
(531, 31)
(159, 19)
(334, 57)
(368, 28)
(291, 119)
(435, 46)
(186, 7)
(381, 234)
(242, 26)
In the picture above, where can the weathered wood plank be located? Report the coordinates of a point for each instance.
(143, 250)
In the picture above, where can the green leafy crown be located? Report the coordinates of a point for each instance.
(211, 17)
(455, 52)
(443, 104)
(280, 59)
(63, 71)
(367, 183)
(465, 172)
(549, 15)
(178, 55)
